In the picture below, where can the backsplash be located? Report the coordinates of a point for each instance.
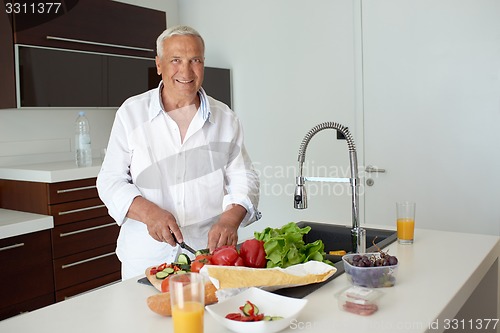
(29, 136)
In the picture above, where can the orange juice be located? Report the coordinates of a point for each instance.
(405, 227)
(188, 319)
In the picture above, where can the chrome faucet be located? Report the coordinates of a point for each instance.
(358, 234)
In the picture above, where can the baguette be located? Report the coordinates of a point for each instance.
(160, 303)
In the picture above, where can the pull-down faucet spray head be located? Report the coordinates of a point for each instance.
(300, 196)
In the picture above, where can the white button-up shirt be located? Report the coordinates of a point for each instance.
(195, 180)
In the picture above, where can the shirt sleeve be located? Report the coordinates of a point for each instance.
(114, 183)
(242, 181)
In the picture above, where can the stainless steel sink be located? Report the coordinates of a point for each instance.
(337, 237)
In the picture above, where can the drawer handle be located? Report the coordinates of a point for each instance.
(80, 210)
(91, 290)
(81, 41)
(65, 234)
(87, 260)
(11, 246)
(76, 189)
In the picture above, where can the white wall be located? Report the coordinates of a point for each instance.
(292, 67)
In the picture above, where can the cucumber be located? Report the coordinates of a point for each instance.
(199, 252)
(181, 272)
(168, 270)
(183, 259)
(250, 309)
(162, 275)
(272, 318)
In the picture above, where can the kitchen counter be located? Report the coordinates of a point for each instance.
(431, 288)
(15, 223)
(50, 172)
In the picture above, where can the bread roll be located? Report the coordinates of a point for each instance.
(160, 303)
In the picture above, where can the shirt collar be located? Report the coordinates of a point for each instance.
(156, 105)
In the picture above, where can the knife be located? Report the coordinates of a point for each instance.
(187, 247)
(184, 245)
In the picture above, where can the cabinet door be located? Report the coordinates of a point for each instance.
(140, 75)
(72, 238)
(72, 190)
(96, 25)
(26, 264)
(100, 282)
(85, 266)
(78, 211)
(8, 82)
(56, 78)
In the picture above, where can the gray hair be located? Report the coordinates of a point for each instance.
(176, 30)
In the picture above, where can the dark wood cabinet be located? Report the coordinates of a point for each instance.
(94, 25)
(7, 71)
(103, 27)
(26, 278)
(83, 241)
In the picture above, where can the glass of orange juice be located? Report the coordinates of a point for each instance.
(187, 296)
(405, 221)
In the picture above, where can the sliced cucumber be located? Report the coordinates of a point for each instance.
(272, 318)
(180, 272)
(183, 259)
(250, 309)
(162, 275)
(204, 251)
(168, 270)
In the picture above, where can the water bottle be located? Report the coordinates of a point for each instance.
(82, 141)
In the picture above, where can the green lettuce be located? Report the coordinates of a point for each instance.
(285, 246)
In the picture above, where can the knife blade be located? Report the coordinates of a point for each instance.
(187, 247)
(184, 245)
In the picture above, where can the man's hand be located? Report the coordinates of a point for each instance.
(225, 231)
(161, 223)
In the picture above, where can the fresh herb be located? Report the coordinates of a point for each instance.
(285, 246)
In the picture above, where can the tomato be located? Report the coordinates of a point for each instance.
(234, 316)
(165, 284)
(207, 258)
(157, 269)
(253, 253)
(239, 262)
(225, 255)
(196, 265)
(200, 261)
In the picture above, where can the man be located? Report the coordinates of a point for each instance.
(176, 165)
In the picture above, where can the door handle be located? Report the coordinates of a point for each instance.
(371, 168)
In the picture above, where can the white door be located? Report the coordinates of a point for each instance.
(431, 93)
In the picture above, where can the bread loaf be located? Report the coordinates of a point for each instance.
(160, 303)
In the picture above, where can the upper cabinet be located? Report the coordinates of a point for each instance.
(75, 47)
(93, 25)
(7, 73)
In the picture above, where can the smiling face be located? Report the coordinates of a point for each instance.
(181, 67)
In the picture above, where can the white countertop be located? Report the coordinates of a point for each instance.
(428, 287)
(14, 223)
(50, 172)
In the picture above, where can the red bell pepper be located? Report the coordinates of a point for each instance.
(253, 253)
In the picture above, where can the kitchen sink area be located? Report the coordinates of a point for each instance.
(337, 237)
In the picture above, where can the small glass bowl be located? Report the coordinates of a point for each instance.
(370, 277)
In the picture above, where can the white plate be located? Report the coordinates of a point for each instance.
(269, 304)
